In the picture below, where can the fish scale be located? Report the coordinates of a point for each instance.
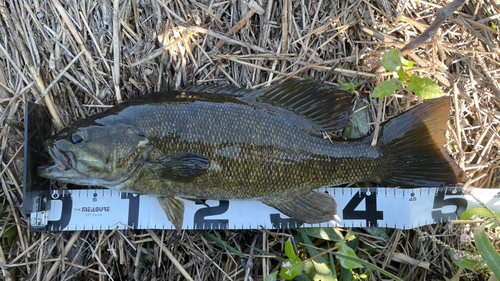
(228, 143)
(269, 157)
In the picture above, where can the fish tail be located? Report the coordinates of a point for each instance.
(413, 148)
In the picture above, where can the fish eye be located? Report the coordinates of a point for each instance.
(76, 138)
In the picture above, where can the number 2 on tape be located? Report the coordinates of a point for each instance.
(201, 222)
(370, 214)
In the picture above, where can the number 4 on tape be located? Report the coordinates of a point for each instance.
(370, 213)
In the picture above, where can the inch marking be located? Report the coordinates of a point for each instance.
(371, 215)
(201, 221)
(446, 204)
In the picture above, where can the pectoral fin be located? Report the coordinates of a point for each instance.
(314, 207)
(179, 166)
(174, 209)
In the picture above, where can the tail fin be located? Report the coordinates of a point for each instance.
(413, 144)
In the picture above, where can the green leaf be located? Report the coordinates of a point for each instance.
(446, 278)
(310, 246)
(8, 237)
(332, 265)
(290, 252)
(392, 60)
(346, 86)
(272, 276)
(377, 232)
(297, 268)
(291, 268)
(150, 255)
(365, 275)
(401, 73)
(358, 126)
(467, 215)
(491, 224)
(302, 277)
(351, 237)
(138, 255)
(344, 249)
(346, 274)
(367, 265)
(463, 262)
(351, 132)
(325, 233)
(223, 244)
(386, 88)
(318, 271)
(487, 251)
(356, 81)
(268, 254)
(424, 87)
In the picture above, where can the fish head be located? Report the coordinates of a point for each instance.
(104, 155)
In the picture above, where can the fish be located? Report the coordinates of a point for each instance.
(223, 142)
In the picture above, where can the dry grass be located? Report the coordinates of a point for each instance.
(77, 56)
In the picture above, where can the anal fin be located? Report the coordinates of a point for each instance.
(174, 209)
(314, 207)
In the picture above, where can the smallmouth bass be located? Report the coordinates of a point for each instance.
(213, 142)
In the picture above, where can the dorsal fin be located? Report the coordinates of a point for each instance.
(219, 89)
(326, 107)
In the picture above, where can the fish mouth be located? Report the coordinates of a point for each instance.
(61, 159)
(59, 168)
(49, 171)
(53, 172)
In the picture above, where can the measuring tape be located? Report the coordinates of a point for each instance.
(104, 209)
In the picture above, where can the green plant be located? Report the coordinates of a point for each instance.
(358, 127)
(482, 243)
(321, 264)
(349, 85)
(393, 61)
(292, 266)
(223, 244)
(8, 237)
(10, 232)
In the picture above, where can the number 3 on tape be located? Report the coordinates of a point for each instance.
(370, 213)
